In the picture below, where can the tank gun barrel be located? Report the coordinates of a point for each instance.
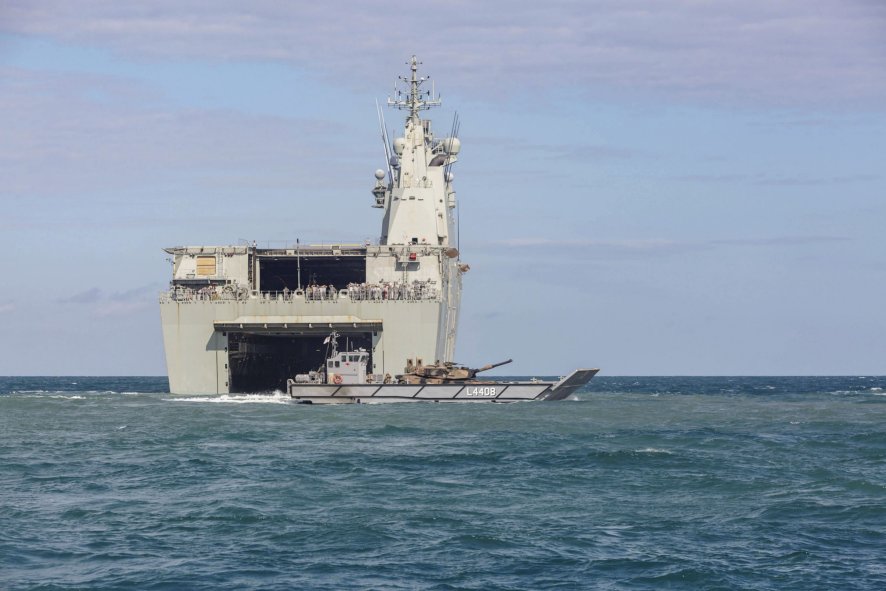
(493, 365)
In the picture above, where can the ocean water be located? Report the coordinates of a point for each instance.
(636, 483)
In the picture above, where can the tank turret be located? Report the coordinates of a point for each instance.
(442, 373)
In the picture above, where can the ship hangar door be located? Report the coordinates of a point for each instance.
(263, 354)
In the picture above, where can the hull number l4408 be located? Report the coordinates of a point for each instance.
(480, 391)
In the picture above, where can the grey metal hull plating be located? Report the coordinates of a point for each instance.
(469, 392)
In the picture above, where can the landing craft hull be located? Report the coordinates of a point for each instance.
(474, 391)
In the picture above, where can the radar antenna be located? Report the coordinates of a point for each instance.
(413, 99)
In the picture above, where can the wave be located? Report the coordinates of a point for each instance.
(45, 394)
(78, 394)
(275, 397)
(653, 450)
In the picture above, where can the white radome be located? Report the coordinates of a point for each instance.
(452, 145)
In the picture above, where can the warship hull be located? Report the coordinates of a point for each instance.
(253, 342)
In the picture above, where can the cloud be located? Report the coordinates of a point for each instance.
(766, 180)
(118, 308)
(551, 243)
(811, 181)
(90, 296)
(578, 152)
(125, 138)
(7, 306)
(603, 251)
(780, 241)
(134, 294)
(818, 52)
(645, 248)
(106, 303)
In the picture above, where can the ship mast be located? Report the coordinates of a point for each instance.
(415, 101)
(418, 199)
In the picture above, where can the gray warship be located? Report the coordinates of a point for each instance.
(242, 319)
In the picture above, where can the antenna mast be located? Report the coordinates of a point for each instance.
(414, 100)
(385, 141)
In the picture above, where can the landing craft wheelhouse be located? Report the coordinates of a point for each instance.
(245, 319)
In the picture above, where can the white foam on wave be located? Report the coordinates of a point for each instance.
(276, 397)
(653, 450)
(46, 394)
(875, 391)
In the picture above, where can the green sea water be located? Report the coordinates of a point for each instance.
(636, 483)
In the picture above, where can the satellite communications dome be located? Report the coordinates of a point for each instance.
(451, 145)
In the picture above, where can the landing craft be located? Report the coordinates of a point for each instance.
(242, 318)
(344, 379)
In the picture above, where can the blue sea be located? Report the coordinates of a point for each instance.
(775, 483)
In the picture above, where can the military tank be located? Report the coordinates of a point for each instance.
(442, 373)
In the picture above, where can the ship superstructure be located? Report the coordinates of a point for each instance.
(245, 319)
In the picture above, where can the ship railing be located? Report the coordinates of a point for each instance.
(393, 291)
(353, 293)
(318, 247)
(205, 294)
(362, 292)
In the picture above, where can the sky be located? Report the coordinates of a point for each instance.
(652, 187)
